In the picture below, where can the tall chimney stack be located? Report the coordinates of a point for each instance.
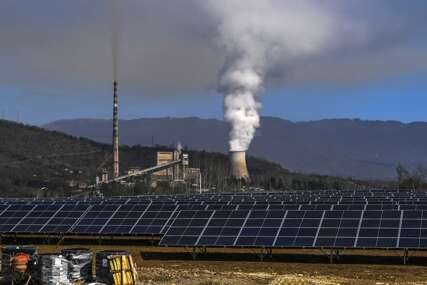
(116, 169)
(238, 165)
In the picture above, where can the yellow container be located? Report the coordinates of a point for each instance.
(115, 268)
(122, 269)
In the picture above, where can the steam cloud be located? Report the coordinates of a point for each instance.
(257, 36)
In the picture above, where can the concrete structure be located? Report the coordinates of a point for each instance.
(185, 164)
(170, 166)
(104, 176)
(175, 173)
(193, 177)
(116, 167)
(133, 170)
(238, 165)
(164, 157)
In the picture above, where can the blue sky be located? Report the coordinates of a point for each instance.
(402, 98)
(55, 62)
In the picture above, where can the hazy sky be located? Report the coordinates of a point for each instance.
(55, 62)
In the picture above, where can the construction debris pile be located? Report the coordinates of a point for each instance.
(70, 267)
(53, 269)
(79, 264)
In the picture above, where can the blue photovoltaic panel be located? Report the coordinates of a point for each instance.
(65, 219)
(12, 215)
(187, 227)
(35, 219)
(298, 228)
(124, 219)
(223, 228)
(379, 229)
(154, 219)
(338, 229)
(93, 221)
(299, 220)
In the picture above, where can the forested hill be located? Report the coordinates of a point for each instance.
(32, 158)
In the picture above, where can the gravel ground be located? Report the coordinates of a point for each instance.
(276, 274)
(159, 265)
(373, 267)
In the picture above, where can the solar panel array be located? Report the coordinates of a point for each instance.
(297, 228)
(332, 219)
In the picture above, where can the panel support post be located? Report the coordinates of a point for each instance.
(194, 253)
(331, 256)
(337, 254)
(61, 239)
(405, 256)
(262, 253)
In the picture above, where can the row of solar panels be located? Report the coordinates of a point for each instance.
(307, 192)
(146, 219)
(337, 196)
(86, 219)
(332, 229)
(267, 196)
(284, 201)
(217, 206)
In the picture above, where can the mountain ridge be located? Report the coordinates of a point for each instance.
(356, 148)
(37, 162)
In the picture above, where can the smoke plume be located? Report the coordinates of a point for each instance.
(115, 22)
(257, 36)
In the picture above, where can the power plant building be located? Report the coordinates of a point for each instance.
(164, 157)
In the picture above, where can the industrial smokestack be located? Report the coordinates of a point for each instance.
(116, 169)
(238, 165)
(115, 54)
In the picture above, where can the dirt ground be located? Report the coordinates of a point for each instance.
(163, 266)
(288, 267)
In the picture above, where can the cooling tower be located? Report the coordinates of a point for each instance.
(238, 165)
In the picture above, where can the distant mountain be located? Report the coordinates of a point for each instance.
(32, 159)
(343, 147)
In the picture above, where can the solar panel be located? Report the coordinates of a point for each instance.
(299, 228)
(188, 227)
(338, 229)
(124, 219)
(94, 220)
(65, 219)
(281, 219)
(154, 219)
(35, 219)
(12, 215)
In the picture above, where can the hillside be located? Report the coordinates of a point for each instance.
(32, 158)
(347, 148)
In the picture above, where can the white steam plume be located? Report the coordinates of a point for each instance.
(257, 35)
